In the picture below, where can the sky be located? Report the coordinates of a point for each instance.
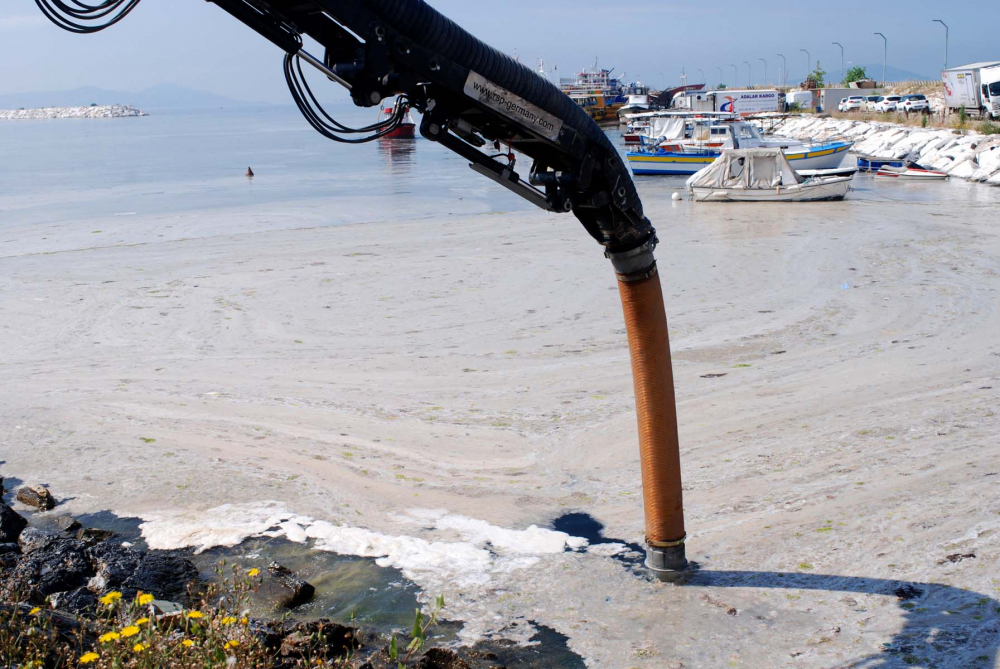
(195, 44)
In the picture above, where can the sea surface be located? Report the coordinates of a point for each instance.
(172, 162)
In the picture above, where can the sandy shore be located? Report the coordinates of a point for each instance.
(479, 365)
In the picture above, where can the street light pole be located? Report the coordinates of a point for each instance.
(736, 75)
(808, 62)
(765, 70)
(720, 73)
(841, 61)
(702, 75)
(749, 73)
(885, 54)
(784, 71)
(945, 41)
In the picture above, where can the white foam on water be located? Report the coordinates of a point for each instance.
(225, 525)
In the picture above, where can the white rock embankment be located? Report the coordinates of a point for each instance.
(971, 156)
(97, 111)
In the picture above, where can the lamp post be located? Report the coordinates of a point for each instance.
(808, 61)
(749, 73)
(765, 70)
(784, 70)
(945, 41)
(736, 75)
(720, 73)
(841, 61)
(885, 53)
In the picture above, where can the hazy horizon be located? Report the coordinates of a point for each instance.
(198, 46)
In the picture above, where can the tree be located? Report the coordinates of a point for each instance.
(856, 73)
(816, 78)
(721, 86)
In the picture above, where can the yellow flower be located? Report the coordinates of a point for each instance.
(144, 598)
(109, 636)
(187, 643)
(195, 614)
(131, 630)
(34, 611)
(228, 620)
(244, 621)
(87, 658)
(110, 599)
(142, 621)
(253, 572)
(232, 643)
(139, 647)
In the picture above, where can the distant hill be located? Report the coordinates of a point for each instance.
(156, 97)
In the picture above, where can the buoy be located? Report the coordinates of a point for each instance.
(675, 196)
(249, 173)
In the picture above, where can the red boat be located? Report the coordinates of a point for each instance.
(405, 130)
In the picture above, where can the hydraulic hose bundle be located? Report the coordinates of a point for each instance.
(472, 96)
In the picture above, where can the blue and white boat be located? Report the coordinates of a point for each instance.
(700, 146)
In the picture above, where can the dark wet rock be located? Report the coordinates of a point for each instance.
(37, 496)
(315, 638)
(67, 523)
(905, 592)
(8, 548)
(282, 589)
(442, 658)
(92, 535)
(80, 601)
(129, 571)
(50, 563)
(33, 539)
(11, 524)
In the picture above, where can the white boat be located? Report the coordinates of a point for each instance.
(911, 171)
(762, 175)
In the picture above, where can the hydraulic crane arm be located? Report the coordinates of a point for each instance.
(472, 97)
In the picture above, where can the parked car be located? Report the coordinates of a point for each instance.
(887, 103)
(914, 103)
(852, 103)
(871, 101)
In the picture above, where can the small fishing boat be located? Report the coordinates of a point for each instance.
(405, 130)
(762, 175)
(911, 171)
(874, 164)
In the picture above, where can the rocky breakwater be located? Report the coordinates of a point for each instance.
(77, 594)
(971, 155)
(95, 111)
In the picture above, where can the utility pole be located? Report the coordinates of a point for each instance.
(841, 61)
(765, 70)
(885, 54)
(945, 41)
(784, 71)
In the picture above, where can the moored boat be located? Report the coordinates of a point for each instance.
(762, 175)
(406, 128)
(911, 171)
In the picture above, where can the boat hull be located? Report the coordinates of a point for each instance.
(826, 189)
(402, 131)
(910, 174)
(820, 158)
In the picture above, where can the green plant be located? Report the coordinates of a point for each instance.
(923, 121)
(989, 128)
(963, 116)
(816, 78)
(856, 73)
(720, 87)
(418, 635)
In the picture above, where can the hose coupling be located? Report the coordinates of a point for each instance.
(634, 264)
(666, 558)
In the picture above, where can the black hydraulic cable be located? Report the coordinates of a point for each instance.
(73, 19)
(295, 87)
(340, 126)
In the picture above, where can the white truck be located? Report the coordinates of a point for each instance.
(975, 86)
(740, 102)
